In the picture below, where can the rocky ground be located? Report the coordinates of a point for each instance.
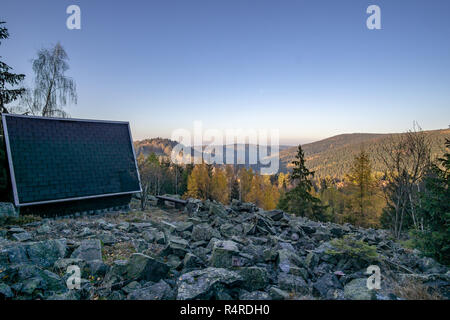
(209, 251)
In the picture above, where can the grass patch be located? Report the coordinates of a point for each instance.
(20, 220)
(120, 251)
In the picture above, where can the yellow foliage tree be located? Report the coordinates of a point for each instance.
(219, 186)
(199, 182)
(245, 183)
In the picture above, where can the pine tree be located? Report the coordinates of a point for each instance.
(7, 78)
(299, 200)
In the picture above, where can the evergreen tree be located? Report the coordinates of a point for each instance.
(299, 200)
(235, 189)
(8, 79)
(434, 208)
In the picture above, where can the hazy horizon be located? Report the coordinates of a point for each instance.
(311, 69)
(294, 144)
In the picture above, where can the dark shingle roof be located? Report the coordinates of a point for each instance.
(62, 159)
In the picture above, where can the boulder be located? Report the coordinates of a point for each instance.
(158, 291)
(357, 290)
(61, 265)
(182, 226)
(177, 246)
(45, 253)
(90, 249)
(22, 236)
(8, 210)
(97, 268)
(5, 291)
(132, 286)
(325, 286)
(278, 294)
(30, 281)
(255, 295)
(218, 210)
(276, 215)
(191, 262)
(254, 278)
(116, 273)
(142, 267)
(44, 229)
(204, 232)
(289, 262)
(223, 253)
(293, 283)
(206, 283)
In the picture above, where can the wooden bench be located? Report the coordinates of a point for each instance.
(179, 203)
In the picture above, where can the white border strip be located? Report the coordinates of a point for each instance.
(11, 167)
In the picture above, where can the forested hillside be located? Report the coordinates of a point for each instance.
(329, 157)
(333, 156)
(159, 146)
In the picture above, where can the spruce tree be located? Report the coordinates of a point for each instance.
(434, 240)
(299, 200)
(235, 189)
(8, 79)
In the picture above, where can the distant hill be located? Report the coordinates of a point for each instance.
(163, 147)
(333, 156)
(160, 146)
(329, 157)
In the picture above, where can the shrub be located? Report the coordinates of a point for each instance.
(348, 246)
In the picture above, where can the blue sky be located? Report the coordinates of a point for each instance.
(311, 68)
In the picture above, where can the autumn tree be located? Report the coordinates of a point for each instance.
(231, 182)
(283, 181)
(256, 191)
(199, 182)
(271, 194)
(406, 159)
(219, 186)
(245, 182)
(362, 183)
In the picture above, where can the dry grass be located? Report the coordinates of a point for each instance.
(414, 289)
(152, 214)
(119, 251)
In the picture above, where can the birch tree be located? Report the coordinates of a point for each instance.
(53, 90)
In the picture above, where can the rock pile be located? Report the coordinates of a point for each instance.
(211, 252)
